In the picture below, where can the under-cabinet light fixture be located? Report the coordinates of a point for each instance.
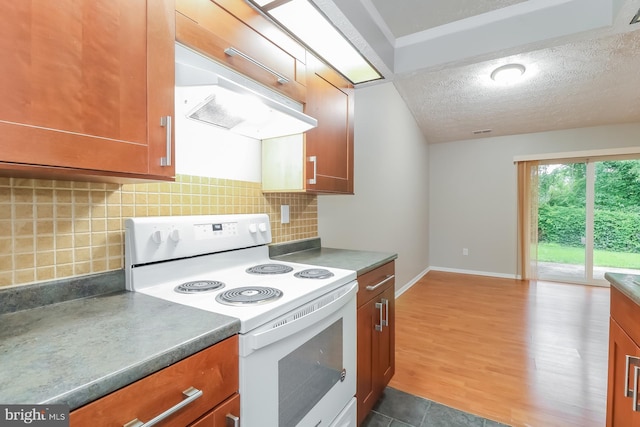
(509, 73)
(308, 24)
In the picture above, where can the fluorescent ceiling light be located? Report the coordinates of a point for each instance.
(509, 73)
(311, 27)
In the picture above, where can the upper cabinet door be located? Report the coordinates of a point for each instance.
(84, 86)
(329, 147)
(234, 34)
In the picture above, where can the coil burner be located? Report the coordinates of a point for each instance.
(314, 273)
(249, 295)
(269, 269)
(199, 286)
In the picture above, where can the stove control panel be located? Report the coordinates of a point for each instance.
(152, 239)
(211, 231)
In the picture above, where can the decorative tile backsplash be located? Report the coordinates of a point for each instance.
(56, 229)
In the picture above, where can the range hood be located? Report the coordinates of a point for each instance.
(224, 98)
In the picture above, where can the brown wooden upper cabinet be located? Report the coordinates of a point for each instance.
(321, 161)
(329, 147)
(234, 34)
(87, 88)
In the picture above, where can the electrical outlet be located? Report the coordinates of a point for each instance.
(465, 251)
(284, 214)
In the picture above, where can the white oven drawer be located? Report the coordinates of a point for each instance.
(348, 417)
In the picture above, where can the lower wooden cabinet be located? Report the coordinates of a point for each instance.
(213, 372)
(227, 414)
(376, 336)
(624, 362)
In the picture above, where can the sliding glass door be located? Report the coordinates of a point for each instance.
(588, 220)
(616, 228)
(562, 222)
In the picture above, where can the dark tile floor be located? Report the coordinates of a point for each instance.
(399, 409)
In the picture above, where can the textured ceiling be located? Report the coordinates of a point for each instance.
(582, 59)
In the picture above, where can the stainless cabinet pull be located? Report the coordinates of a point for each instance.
(314, 160)
(165, 122)
(233, 421)
(191, 395)
(379, 326)
(374, 287)
(636, 374)
(629, 360)
(385, 322)
(232, 51)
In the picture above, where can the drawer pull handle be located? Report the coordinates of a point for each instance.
(629, 360)
(374, 287)
(385, 322)
(232, 51)
(165, 122)
(191, 394)
(379, 326)
(232, 420)
(314, 160)
(636, 376)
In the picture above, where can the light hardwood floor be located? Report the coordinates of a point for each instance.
(524, 354)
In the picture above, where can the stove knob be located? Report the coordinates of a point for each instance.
(157, 237)
(263, 227)
(252, 228)
(174, 235)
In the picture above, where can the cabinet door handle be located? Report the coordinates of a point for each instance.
(374, 287)
(191, 394)
(385, 322)
(232, 420)
(379, 326)
(629, 360)
(314, 160)
(232, 51)
(636, 375)
(165, 122)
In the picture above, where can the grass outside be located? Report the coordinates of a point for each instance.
(553, 252)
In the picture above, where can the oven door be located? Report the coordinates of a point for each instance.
(300, 369)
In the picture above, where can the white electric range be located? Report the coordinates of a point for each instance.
(297, 321)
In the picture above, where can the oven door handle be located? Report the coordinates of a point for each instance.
(262, 339)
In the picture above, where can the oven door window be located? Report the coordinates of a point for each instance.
(306, 374)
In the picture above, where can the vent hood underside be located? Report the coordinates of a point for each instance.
(223, 98)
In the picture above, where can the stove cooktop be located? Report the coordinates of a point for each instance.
(197, 260)
(162, 280)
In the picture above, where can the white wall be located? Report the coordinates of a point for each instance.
(389, 211)
(472, 190)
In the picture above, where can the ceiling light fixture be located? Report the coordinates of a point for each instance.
(509, 73)
(309, 25)
(636, 18)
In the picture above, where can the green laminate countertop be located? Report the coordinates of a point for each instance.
(628, 284)
(76, 351)
(355, 260)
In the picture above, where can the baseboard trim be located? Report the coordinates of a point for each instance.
(475, 272)
(412, 282)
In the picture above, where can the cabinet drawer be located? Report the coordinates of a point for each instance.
(378, 280)
(214, 371)
(626, 313)
(210, 29)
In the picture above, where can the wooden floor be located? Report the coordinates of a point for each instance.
(524, 354)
